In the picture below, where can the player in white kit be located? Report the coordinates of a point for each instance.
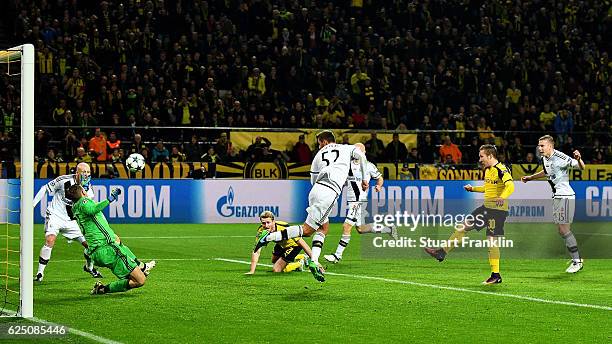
(328, 173)
(556, 168)
(59, 217)
(357, 204)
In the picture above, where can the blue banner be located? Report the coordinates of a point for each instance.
(141, 201)
(241, 201)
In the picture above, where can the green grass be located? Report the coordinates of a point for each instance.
(191, 297)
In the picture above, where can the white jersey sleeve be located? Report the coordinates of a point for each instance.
(39, 195)
(315, 167)
(363, 163)
(51, 187)
(58, 184)
(564, 161)
(373, 171)
(574, 163)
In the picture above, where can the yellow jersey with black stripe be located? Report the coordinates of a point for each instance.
(497, 183)
(281, 226)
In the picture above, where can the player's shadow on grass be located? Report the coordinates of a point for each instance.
(308, 295)
(552, 277)
(85, 298)
(50, 283)
(73, 299)
(58, 285)
(568, 278)
(268, 274)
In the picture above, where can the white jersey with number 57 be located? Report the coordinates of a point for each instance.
(331, 165)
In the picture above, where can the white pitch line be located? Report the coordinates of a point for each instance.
(142, 259)
(80, 333)
(602, 234)
(75, 331)
(188, 237)
(435, 286)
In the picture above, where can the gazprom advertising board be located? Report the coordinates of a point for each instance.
(241, 201)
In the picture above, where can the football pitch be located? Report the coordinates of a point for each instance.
(198, 293)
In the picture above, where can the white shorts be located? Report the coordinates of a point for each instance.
(69, 229)
(563, 209)
(321, 200)
(356, 213)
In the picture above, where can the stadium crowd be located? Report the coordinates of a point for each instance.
(463, 72)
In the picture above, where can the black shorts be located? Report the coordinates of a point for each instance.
(494, 220)
(287, 254)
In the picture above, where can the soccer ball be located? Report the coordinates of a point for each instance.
(135, 162)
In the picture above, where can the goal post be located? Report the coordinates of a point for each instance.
(26, 308)
(18, 194)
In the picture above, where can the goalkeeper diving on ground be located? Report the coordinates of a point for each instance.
(105, 247)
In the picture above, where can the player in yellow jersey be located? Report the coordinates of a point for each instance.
(286, 256)
(498, 186)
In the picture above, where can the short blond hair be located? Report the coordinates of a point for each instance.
(548, 138)
(489, 149)
(266, 215)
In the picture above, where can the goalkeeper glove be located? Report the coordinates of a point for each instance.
(86, 183)
(114, 194)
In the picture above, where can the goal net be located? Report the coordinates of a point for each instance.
(16, 180)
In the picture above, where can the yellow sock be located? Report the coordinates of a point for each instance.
(457, 235)
(494, 259)
(292, 266)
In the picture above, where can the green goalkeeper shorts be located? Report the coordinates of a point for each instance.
(117, 257)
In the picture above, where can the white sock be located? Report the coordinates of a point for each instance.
(43, 260)
(317, 245)
(386, 230)
(344, 241)
(377, 229)
(88, 261)
(289, 233)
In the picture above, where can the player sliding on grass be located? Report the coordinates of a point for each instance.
(286, 256)
(556, 168)
(329, 172)
(491, 215)
(105, 248)
(357, 203)
(59, 218)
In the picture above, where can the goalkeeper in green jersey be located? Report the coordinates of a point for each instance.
(105, 248)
